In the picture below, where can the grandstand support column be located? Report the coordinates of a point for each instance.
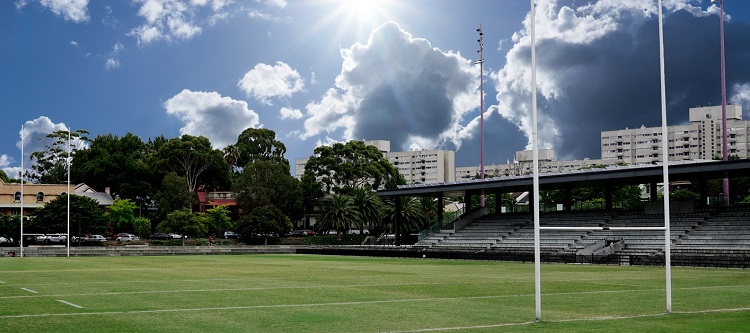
(397, 223)
(440, 207)
(567, 199)
(498, 201)
(467, 200)
(531, 200)
(608, 196)
(703, 192)
(654, 188)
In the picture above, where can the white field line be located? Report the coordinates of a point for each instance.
(29, 290)
(603, 318)
(352, 286)
(71, 304)
(2, 281)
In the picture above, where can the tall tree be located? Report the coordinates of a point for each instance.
(194, 159)
(50, 166)
(4, 177)
(120, 163)
(340, 214)
(343, 167)
(173, 195)
(269, 183)
(259, 144)
(217, 219)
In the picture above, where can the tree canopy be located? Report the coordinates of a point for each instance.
(53, 217)
(50, 166)
(341, 168)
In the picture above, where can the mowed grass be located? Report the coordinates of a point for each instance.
(305, 293)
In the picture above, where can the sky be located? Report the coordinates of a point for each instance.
(323, 71)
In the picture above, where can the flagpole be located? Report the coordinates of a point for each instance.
(21, 176)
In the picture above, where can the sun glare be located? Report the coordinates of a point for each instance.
(364, 11)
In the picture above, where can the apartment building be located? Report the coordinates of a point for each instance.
(523, 164)
(699, 139)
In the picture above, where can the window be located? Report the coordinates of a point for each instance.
(40, 197)
(17, 197)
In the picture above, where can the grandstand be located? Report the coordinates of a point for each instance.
(718, 238)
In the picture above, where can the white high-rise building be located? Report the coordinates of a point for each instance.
(700, 139)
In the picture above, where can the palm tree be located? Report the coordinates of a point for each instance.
(369, 206)
(341, 213)
(411, 217)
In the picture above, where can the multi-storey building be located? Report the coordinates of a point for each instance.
(417, 166)
(700, 139)
(35, 196)
(523, 165)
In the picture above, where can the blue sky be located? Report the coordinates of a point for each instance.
(323, 71)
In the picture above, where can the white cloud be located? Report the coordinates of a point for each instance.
(74, 43)
(399, 88)
(275, 3)
(112, 63)
(288, 113)
(170, 20)
(266, 81)
(220, 119)
(741, 95)
(72, 10)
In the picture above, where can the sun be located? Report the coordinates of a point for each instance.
(364, 11)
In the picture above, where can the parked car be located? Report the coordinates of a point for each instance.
(230, 234)
(357, 232)
(175, 236)
(52, 238)
(6, 240)
(303, 233)
(160, 236)
(115, 236)
(125, 237)
(96, 239)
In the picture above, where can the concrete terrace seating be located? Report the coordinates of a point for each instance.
(515, 232)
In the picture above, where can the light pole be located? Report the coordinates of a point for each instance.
(724, 153)
(481, 109)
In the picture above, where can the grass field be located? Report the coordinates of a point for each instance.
(305, 293)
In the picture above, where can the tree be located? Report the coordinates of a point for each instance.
(50, 166)
(120, 163)
(343, 167)
(4, 177)
(340, 214)
(184, 223)
(258, 144)
(142, 226)
(411, 217)
(217, 219)
(10, 227)
(269, 183)
(122, 214)
(53, 217)
(265, 221)
(193, 158)
(173, 195)
(369, 206)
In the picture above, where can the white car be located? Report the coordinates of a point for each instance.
(127, 238)
(52, 238)
(5, 240)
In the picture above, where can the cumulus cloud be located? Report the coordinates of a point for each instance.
(288, 113)
(113, 60)
(220, 119)
(598, 69)
(398, 88)
(71, 10)
(169, 20)
(266, 81)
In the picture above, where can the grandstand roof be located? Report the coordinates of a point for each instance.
(615, 175)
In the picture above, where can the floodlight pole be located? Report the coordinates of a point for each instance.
(665, 165)
(724, 134)
(481, 109)
(535, 187)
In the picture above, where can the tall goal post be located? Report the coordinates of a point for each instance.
(665, 174)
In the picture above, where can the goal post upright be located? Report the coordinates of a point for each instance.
(535, 186)
(665, 165)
